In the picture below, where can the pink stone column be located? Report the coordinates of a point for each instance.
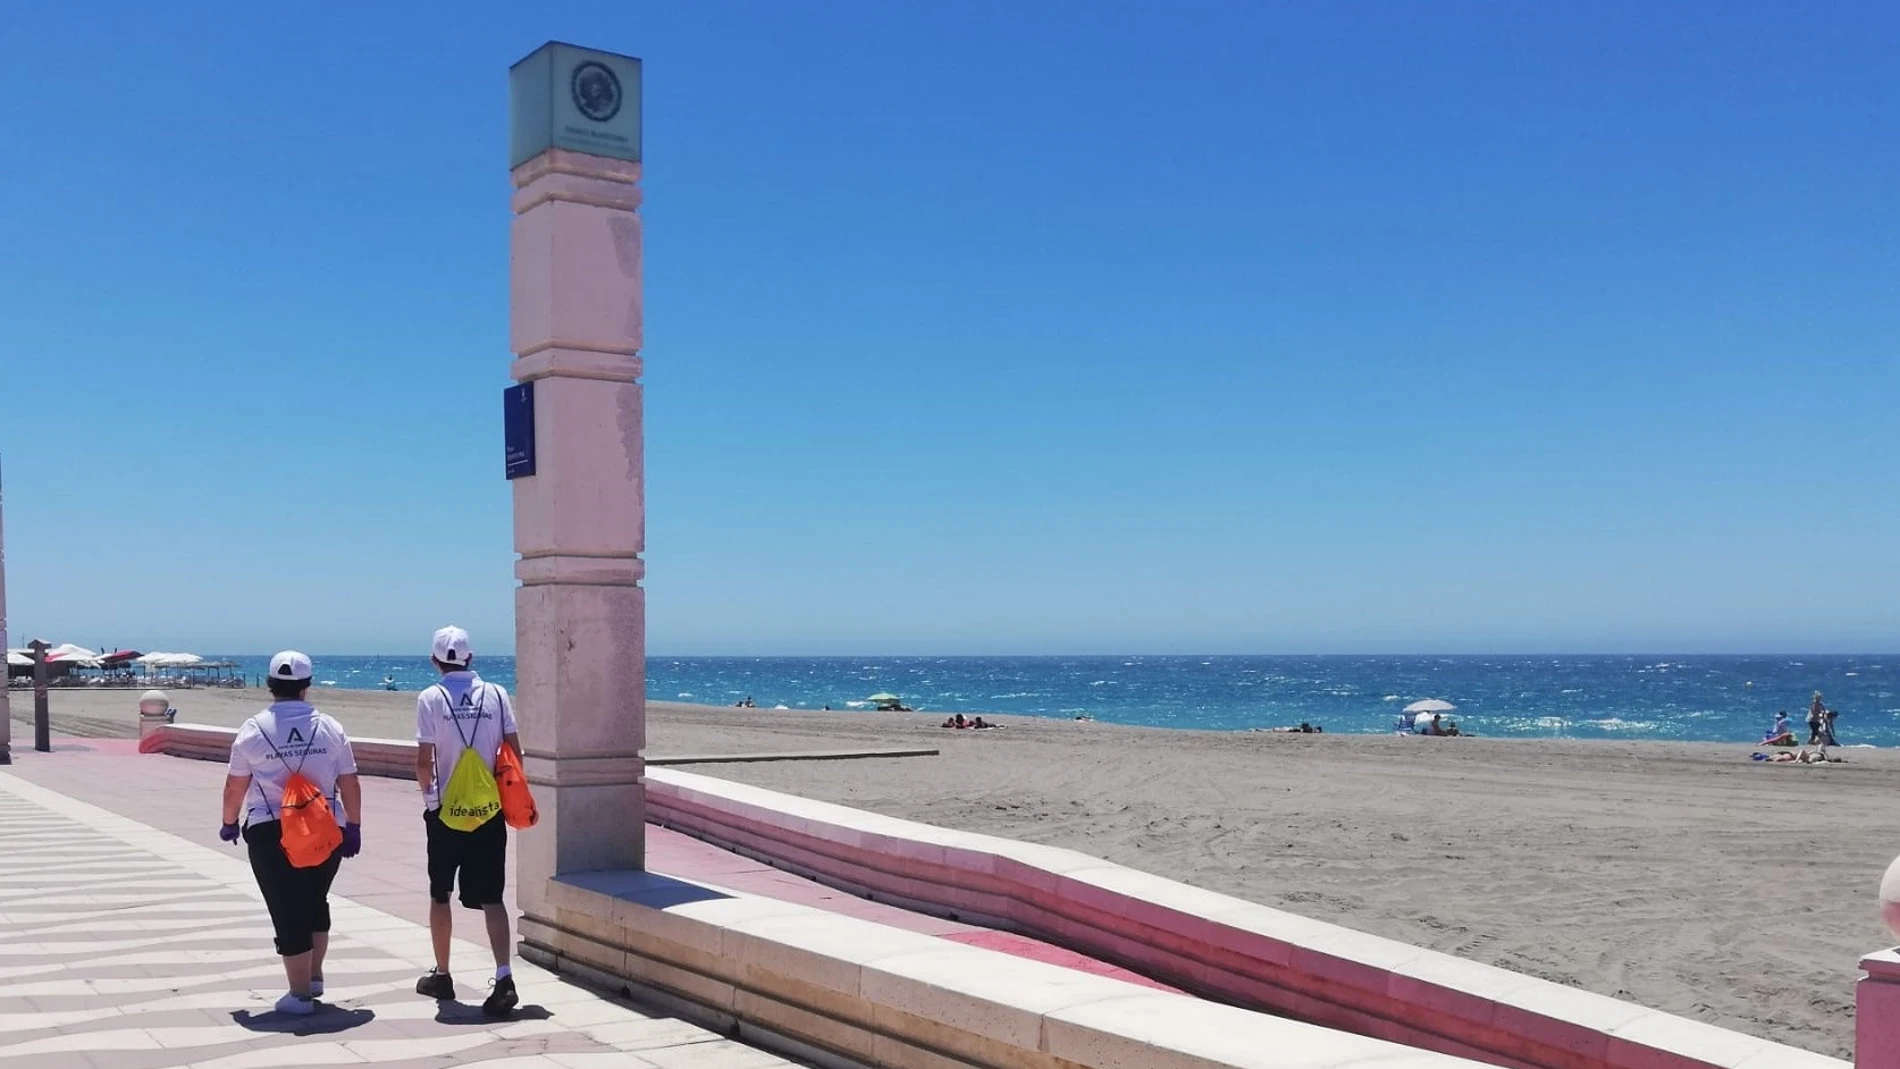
(580, 614)
(1877, 1012)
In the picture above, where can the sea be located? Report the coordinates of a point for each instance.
(1692, 698)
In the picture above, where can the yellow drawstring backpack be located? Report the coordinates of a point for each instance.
(470, 798)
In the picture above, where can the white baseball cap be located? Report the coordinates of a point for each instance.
(451, 646)
(290, 665)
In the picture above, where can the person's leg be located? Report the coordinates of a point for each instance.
(297, 973)
(484, 878)
(496, 915)
(494, 849)
(323, 877)
(441, 933)
(443, 863)
(286, 897)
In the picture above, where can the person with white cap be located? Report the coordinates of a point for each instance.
(461, 725)
(275, 755)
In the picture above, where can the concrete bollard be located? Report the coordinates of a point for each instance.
(155, 712)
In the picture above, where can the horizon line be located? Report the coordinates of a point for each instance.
(991, 656)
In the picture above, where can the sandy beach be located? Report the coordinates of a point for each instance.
(1680, 876)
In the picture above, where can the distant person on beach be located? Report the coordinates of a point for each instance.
(1782, 734)
(1827, 729)
(292, 739)
(464, 714)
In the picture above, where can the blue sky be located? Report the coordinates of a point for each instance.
(983, 327)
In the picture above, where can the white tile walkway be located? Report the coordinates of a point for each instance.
(126, 947)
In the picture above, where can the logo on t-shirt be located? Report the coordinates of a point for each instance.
(295, 737)
(468, 708)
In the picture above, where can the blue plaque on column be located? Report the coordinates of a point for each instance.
(517, 419)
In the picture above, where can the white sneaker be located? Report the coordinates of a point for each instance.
(316, 987)
(291, 1004)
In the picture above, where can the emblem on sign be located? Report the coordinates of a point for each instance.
(596, 90)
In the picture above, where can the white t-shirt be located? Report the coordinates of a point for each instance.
(308, 742)
(480, 718)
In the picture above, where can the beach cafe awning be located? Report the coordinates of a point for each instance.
(170, 660)
(1430, 705)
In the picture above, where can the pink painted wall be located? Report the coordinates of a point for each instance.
(1220, 947)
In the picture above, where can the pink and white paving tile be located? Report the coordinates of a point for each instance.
(124, 946)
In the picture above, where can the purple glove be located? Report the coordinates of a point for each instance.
(229, 833)
(352, 840)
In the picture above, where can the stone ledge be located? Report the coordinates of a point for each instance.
(392, 758)
(847, 991)
(1212, 944)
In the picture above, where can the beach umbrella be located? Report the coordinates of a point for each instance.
(1430, 705)
(885, 697)
(19, 658)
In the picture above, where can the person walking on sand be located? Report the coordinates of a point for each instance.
(292, 755)
(1816, 715)
(461, 725)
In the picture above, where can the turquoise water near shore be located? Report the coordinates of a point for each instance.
(1700, 698)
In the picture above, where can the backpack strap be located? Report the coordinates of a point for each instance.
(448, 702)
(298, 771)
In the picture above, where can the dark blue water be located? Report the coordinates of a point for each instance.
(1710, 698)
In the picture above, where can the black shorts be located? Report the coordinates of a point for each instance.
(298, 899)
(480, 857)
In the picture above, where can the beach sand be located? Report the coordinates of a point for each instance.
(1680, 876)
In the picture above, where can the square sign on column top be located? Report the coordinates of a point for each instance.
(577, 99)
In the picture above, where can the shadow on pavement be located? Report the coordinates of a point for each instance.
(328, 1020)
(452, 1012)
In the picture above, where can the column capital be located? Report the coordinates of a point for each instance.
(576, 189)
(559, 363)
(582, 164)
(603, 570)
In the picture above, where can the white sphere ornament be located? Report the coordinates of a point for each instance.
(1890, 897)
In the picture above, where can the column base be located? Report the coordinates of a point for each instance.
(1877, 1012)
(592, 828)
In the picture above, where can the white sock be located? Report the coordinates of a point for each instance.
(503, 972)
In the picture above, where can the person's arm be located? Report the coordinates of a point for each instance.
(234, 789)
(425, 748)
(351, 788)
(510, 731)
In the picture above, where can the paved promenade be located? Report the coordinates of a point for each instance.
(130, 938)
(124, 945)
